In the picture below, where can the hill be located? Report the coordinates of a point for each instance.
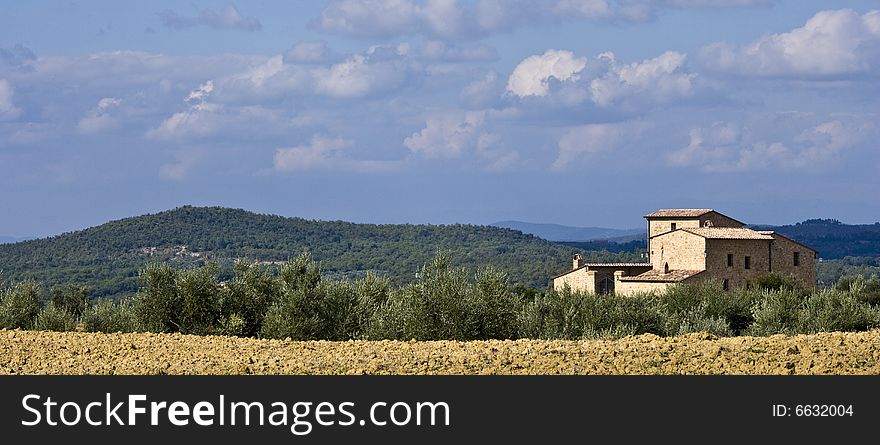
(108, 257)
(557, 232)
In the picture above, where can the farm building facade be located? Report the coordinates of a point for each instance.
(693, 245)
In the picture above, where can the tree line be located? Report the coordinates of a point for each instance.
(443, 302)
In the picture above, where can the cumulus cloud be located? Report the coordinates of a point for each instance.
(100, 118)
(725, 147)
(358, 76)
(205, 119)
(453, 135)
(8, 110)
(559, 78)
(447, 136)
(229, 18)
(451, 19)
(325, 153)
(531, 77)
(831, 43)
(654, 80)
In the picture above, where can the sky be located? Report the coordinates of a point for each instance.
(576, 112)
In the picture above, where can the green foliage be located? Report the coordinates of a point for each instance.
(775, 281)
(108, 316)
(445, 304)
(19, 305)
(55, 318)
(832, 310)
(311, 309)
(777, 312)
(71, 298)
(247, 297)
(866, 290)
(198, 301)
(573, 316)
(155, 305)
(109, 257)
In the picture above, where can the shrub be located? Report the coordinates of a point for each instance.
(197, 304)
(72, 298)
(19, 305)
(698, 319)
(775, 281)
(246, 298)
(868, 291)
(108, 317)
(155, 303)
(311, 309)
(833, 310)
(54, 318)
(777, 312)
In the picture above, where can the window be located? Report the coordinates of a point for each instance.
(725, 284)
(673, 226)
(729, 260)
(797, 258)
(748, 262)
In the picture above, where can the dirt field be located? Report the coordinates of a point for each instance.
(23, 352)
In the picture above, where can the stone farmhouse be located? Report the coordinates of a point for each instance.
(693, 245)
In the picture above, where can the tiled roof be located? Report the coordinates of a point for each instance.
(726, 233)
(673, 276)
(618, 264)
(601, 265)
(678, 213)
(774, 234)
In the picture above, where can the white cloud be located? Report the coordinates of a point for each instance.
(201, 93)
(447, 136)
(8, 110)
(531, 77)
(455, 135)
(653, 80)
(358, 77)
(100, 118)
(831, 43)
(229, 18)
(725, 147)
(323, 153)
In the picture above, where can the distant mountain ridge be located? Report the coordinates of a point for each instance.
(558, 232)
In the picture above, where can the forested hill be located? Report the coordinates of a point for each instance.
(833, 239)
(108, 257)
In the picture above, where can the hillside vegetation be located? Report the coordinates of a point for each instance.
(108, 258)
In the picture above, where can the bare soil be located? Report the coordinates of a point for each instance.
(30, 352)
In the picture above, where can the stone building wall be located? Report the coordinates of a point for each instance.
(682, 250)
(580, 280)
(736, 274)
(783, 250)
(630, 288)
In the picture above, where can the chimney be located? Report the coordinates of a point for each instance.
(577, 261)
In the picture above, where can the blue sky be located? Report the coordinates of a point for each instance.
(578, 112)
